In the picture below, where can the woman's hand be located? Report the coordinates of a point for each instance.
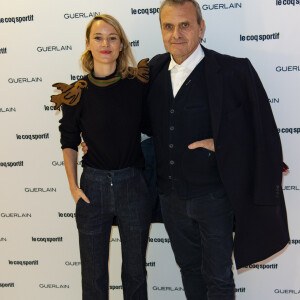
(84, 147)
(78, 193)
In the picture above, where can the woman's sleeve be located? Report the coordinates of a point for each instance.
(69, 126)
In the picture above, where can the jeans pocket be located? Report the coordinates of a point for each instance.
(78, 201)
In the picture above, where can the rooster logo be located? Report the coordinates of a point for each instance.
(143, 70)
(70, 94)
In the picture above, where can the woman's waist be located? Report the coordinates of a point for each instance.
(95, 174)
(113, 160)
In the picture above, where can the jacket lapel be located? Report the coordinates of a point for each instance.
(214, 83)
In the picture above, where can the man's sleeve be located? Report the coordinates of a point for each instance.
(267, 145)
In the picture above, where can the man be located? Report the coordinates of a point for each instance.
(218, 155)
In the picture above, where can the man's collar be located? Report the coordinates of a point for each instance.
(191, 61)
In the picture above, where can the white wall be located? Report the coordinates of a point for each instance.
(35, 200)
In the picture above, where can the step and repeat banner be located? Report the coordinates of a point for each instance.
(40, 43)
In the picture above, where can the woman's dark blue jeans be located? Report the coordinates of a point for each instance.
(122, 194)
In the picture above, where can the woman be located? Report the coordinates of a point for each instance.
(105, 107)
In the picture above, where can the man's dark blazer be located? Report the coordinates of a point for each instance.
(248, 152)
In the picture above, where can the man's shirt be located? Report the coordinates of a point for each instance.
(179, 73)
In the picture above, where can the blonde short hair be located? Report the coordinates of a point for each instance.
(125, 63)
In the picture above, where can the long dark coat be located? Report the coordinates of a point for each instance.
(248, 152)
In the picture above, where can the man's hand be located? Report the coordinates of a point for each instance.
(207, 144)
(78, 193)
(84, 147)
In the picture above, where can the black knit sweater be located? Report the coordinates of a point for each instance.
(109, 119)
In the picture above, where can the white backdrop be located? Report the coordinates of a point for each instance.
(40, 43)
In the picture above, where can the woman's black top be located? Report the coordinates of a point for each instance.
(109, 119)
